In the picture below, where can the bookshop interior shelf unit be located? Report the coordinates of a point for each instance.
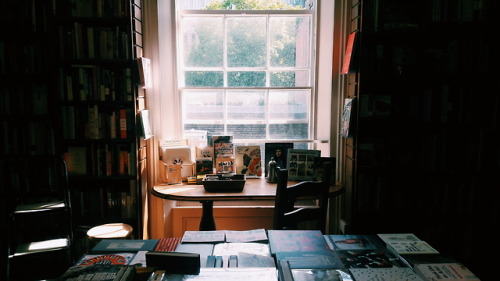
(424, 150)
(69, 89)
(98, 44)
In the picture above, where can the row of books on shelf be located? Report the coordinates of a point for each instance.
(33, 57)
(95, 83)
(97, 122)
(101, 160)
(113, 201)
(24, 99)
(27, 138)
(98, 8)
(281, 255)
(94, 42)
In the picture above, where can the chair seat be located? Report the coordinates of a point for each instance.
(110, 230)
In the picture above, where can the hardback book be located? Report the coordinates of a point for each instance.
(303, 249)
(204, 166)
(384, 274)
(297, 241)
(445, 272)
(278, 151)
(111, 258)
(352, 242)
(350, 54)
(301, 164)
(346, 119)
(248, 161)
(123, 245)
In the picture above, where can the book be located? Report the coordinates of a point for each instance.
(253, 235)
(248, 161)
(278, 151)
(406, 243)
(297, 241)
(115, 259)
(318, 168)
(384, 274)
(347, 64)
(303, 249)
(123, 245)
(320, 274)
(351, 242)
(209, 236)
(224, 165)
(174, 262)
(445, 272)
(301, 164)
(102, 272)
(346, 118)
(167, 244)
(369, 259)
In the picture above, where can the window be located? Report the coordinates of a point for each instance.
(247, 74)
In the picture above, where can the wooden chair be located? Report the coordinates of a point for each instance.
(41, 230)
(287, 215)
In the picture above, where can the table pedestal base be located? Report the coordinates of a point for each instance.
(207, 218)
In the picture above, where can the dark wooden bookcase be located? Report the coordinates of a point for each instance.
(99, 101)
(424, 157)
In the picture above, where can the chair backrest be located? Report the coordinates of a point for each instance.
(287, 215)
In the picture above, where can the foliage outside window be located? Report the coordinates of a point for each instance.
(247, 73)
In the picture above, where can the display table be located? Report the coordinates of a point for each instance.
(255, 189)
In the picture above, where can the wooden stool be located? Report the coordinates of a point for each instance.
(109, 231)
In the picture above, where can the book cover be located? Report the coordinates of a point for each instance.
(412, 247)
(311, 260)
(248, 161)
(297, 241)
(253, 235)
(350, 242)
(224, 165)
(204, 166)
(369, 259)
(209, 236)
(278, 151)
(301, 164)
(318, 168)
(384, 274)
(347, 65)
(167, 244)
(102, 272)
(346, 119)
(123, 245)
(114, 259)
(445, 272)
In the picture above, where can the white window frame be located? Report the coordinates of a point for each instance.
(163, 100)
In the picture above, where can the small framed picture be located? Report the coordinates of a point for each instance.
(301, 164)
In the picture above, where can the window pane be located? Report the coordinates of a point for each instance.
(289, 131)
(203, 106)
(246, 41)
(246, 106)
(204, 79)
(290, 78)
(203, 41)
(246, 79)
(247, 131)
(290, 41)
(287, 105)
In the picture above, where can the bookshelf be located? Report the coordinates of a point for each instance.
(98, 101)
(425, 149)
